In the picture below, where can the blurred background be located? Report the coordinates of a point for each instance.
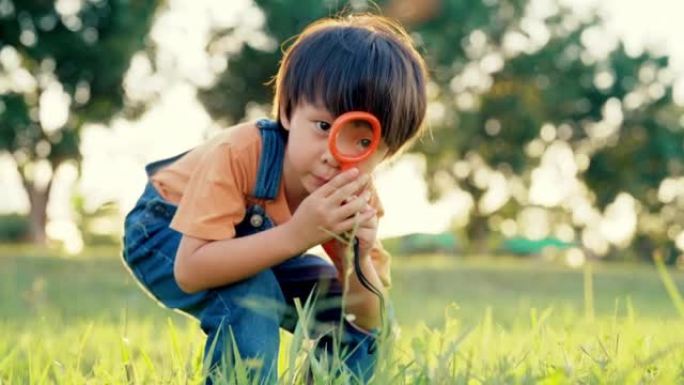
(531, 214)
(556, 127)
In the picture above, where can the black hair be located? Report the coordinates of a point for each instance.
(358, 62)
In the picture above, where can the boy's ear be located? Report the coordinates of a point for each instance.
(284, 120)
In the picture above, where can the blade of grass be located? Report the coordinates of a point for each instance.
(669, 284)
(588, 292)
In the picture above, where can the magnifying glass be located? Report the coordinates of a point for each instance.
(354, 136)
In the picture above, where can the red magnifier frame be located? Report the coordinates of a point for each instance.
(346, 161)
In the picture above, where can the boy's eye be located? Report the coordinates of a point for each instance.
(323, 126)
(365, 143)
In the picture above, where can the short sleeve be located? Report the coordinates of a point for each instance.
(213, 201)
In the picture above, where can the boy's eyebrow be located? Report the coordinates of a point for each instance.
(328, 116)
(323, 113)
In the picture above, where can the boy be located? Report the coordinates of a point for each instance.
(229, 220)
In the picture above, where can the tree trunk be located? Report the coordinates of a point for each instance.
(38, 199)
(38, 214)
(478, 231)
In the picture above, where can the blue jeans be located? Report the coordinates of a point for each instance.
(249, 312)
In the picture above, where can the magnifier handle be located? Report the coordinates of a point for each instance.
(330, 246)
(344, 166)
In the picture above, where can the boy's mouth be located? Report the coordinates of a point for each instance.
(325, 175)
(319, 180)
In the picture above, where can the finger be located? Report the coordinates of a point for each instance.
(367, 239)
(351, 188)
(339, 180)
(365, 234)
(365, 189)
(370, 223)
(349, 209)
(368, 209)
(364, 194)
(350, 223)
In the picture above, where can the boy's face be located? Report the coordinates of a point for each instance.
(308, 161)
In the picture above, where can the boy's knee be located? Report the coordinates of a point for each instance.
(255, 301)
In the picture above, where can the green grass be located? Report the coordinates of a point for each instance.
(477, 321)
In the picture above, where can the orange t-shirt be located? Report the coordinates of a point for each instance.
(212, 186)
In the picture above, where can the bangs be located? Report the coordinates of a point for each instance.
(344, 79)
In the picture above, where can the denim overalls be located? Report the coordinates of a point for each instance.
(255, 308)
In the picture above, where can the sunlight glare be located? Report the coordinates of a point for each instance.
(53, 107)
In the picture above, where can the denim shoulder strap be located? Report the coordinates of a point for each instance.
(271, 161)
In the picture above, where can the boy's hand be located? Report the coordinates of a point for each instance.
(367, 231)
(333, 207)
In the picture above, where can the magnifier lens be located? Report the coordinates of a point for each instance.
(354, 138)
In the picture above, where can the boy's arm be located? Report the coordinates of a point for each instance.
(202, 264)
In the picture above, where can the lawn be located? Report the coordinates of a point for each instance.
(463, 321)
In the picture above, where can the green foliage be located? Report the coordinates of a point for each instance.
(555, 84)
(418, 243)
(14, 227)
(88, 53)
(85, 54)
(525, 246)
(91, 48)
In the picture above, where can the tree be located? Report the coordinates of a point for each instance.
(61, 65)
(533, 82)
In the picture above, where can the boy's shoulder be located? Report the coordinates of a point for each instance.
(242, 136)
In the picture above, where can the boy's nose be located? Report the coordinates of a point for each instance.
(329, 159)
